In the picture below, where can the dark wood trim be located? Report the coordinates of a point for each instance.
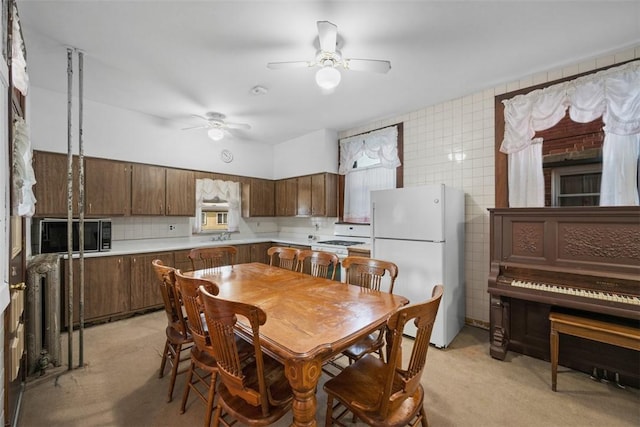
(501, 170)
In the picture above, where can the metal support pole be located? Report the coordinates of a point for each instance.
(70, 205)
(81, 209)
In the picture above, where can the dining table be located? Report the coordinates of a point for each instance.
(309, 320)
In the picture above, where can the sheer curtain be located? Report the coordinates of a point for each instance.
(613, 94)
(210, 189)
(379, 145)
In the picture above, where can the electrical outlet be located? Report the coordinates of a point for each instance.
(172, 227)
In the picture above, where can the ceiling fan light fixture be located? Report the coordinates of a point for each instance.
(215, 133)
(328, 77)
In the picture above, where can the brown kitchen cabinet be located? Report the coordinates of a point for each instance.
(181, 260)
(107, 187)
(180, 192)
(324, 194)
(106, 288)
(244, 254)
(317, 195)
(50, 190)
(145, 290)
(286, 197)
(304, 196)
(259, 252)
(258, 198)
(147, 190)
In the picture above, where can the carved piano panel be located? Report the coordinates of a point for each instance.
(585, 259)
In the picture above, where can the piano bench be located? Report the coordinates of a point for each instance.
(591, 329)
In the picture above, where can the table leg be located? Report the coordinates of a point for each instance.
(303, 376)
(555, 341)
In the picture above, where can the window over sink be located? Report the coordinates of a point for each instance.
(217, 206)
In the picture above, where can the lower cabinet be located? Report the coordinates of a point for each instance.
(181, 261)
(106, 288)
(254, 252)
(145, 289)
(119, 285)
(259, 252)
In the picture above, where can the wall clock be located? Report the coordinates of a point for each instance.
(226, 156)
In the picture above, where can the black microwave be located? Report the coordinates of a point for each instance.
(49, 235)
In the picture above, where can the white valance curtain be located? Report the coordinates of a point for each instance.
(380, 144)
(613, 94)
(215, 189)
(23, 176)
(19, 74)
(359, 182)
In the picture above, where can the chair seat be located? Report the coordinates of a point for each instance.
(359, 385)
(176, 337)
(279, 390)
(371, 343)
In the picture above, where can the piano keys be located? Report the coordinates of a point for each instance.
(585, 259)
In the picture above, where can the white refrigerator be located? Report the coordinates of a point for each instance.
(421, 229)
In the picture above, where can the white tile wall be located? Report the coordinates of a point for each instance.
(466, 125)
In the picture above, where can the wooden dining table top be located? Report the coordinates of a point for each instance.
(306, 316)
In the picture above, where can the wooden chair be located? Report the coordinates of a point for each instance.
(255, 392)
(203, 370)
(368, 273)
(387, 394)
(283, 257)
(178, 336)
(322, 264)
(212, 257)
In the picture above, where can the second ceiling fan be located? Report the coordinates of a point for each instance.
(329, 59)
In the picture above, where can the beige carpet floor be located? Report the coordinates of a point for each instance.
(119, 386)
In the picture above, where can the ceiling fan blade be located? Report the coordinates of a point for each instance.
(374, 65)
(327, 34)
(237, 126)
(196, 127)
(289, 64)
(200, 117)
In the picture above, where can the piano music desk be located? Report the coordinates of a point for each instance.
(596, 330)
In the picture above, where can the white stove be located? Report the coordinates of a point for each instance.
(346, 235)
(338, 247)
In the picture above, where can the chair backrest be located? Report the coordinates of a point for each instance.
(188, 291)
(369, 272)
(172, 305)
(321, 263)
(401, 380)
(221, 316)
(283, 257)
(213, 257)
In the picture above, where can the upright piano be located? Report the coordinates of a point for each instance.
(582, 260)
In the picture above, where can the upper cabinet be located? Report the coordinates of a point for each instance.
(107, 187)
(157, 190)
(180, 192)
(258, 198)
(324, 194)
(286, 197)
(318, 195)
(147, 190)
(50, 189)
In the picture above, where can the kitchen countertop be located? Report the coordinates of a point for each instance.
(128, 247)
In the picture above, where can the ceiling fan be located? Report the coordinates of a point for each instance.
(217, 125)
(329, 59)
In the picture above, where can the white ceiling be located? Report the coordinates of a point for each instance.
(171, 59)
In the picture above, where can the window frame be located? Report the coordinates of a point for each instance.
(399, 169)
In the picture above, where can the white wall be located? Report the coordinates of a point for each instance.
(311, 153)
(119, 134)
(467, 125)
